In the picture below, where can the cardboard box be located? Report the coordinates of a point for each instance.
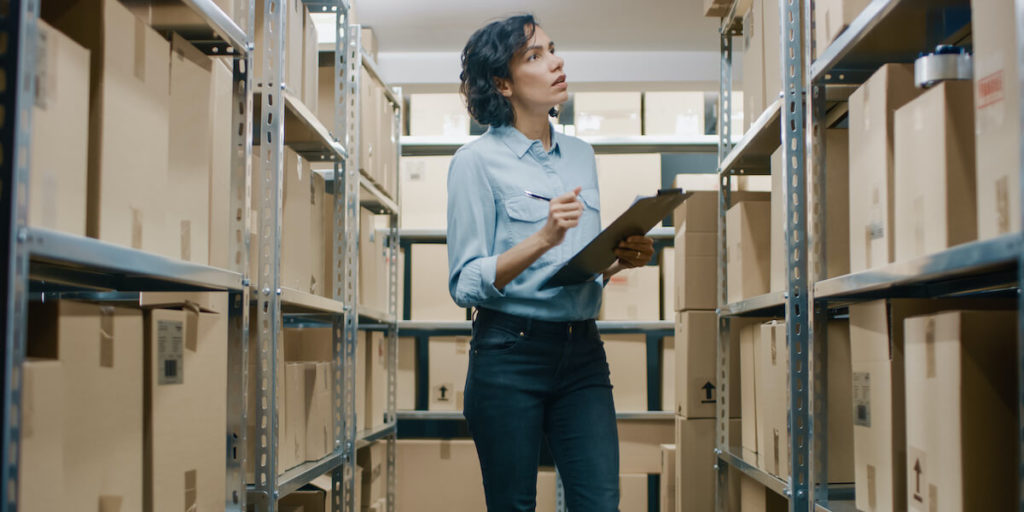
(442, 114)
(41, 465)
(180, 17)
(292, 436)
(368, 107)
(621, 178)
(430, 297)
(837, 203)
(716, 8)
(632, 295)
(373, 460)
(667, 482)
(607, 113)
(406, 378)
(667, 266)
(934, 167)
(747, 249)
(778, 280)
(128, 122)
(547, 488)
(831, 17)
(749, 341)
(694, 463)
(699, 213)
(186, 196)
(755, 497)
(633, 493)
(368, 38)
(679, 113)
(640, 444)
(319, 420)
(58, 164)
(772, 399)
(872, 218)
(295, 14)
(424, 192)
(373, 267)
(222, 150)
(303, 501)
(186, 363)
(771, 34)
(668, 373)
(449, 461)
(325, 101)
(696, 383)
(100, 352)
(310, 63)
(961, 411)
(840, 403)
(753, 65)
(299, 195)
(627, 362)
(449, 362)
(390, 131)
(321, 220)
(879, 420)
(376, 380)
(696, 272)
(996, 125)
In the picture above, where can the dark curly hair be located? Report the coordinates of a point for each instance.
(485, 58)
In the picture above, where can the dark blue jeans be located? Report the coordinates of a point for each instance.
(529, 380)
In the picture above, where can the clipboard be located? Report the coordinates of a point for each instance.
(599, 254)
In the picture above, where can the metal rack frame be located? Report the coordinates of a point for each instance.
(40, 259)
(993, 267)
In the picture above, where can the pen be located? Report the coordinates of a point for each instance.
(537, 196)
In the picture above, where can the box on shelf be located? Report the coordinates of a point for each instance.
(668, 373)
(753, 65)
(310, 64)
(840, 400)
(302, 218)
(696, 349)
(627, 362)
(755, 497)
(667, 288)
(368, 38)
(961, 411)
(996, 123)
(440, 114)
(292, 423)
(696, 271)
(935, 188)
(831, 17)
(747, 249)
(778, 225)
(879, 421)
(186, 361)
(406, 374)
(221, 148)
(546, 490)
(58, 162)
(186, 195)
(181, 17)
(449, 461)
(716, 8)
(303, 501)
(369, 105)
(449, 361)
(772, 399)
(632, 295)
(614, 114)
(771, 35)
(633, 493)
(640, 444)
(128, 121)
(695, 461)
(623, 177)
(295, 15)
(373, 460)
(373, 263)
(100, 354)
(430, 297)
(319, 417)
(667, 483)
(376, 379)
(424, 199)
(749, 340)
(676, 113)
(872, 109)
(41, 467)
(837, 203)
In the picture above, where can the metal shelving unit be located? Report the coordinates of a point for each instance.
(441, 146)
(782, 123)
(40, 260)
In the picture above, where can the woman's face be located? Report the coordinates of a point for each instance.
(538, 81)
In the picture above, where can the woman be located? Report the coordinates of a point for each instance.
(522, 199)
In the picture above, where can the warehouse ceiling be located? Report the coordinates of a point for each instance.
(635, 25)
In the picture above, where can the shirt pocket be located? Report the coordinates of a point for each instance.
(527, 215)
(590, 223)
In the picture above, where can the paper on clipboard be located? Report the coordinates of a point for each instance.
(599, 254)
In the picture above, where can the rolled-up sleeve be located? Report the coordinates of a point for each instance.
(471, 229)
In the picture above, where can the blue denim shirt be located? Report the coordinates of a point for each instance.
(489, 212)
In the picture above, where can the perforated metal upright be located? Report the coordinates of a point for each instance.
(1019, 9)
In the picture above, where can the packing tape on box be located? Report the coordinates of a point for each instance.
(191, 490)
(192, 311)
(872, 486)
(929, 349)
(110, 503)
(140, 49)
(106, 336)
(446, 449)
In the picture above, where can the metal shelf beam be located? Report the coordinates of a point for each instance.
(294, 478)
(375, 199)
(303, 131)
(208, 24)
(368, 437)
(75, 260)
(770, 304)
(754, 150)
(772, 482)
(965, 265)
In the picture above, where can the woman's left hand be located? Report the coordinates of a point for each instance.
(635, 251)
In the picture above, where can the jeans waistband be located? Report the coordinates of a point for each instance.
(532, 326)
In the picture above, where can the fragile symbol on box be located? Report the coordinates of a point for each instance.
(442, 393)
(709, 393)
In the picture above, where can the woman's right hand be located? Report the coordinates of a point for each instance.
(563, 213)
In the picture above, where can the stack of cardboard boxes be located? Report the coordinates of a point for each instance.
(104, 390)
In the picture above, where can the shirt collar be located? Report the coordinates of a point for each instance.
(519, 144)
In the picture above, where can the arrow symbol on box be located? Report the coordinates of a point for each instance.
(917, 469)
(444, 393)
(709, 392)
